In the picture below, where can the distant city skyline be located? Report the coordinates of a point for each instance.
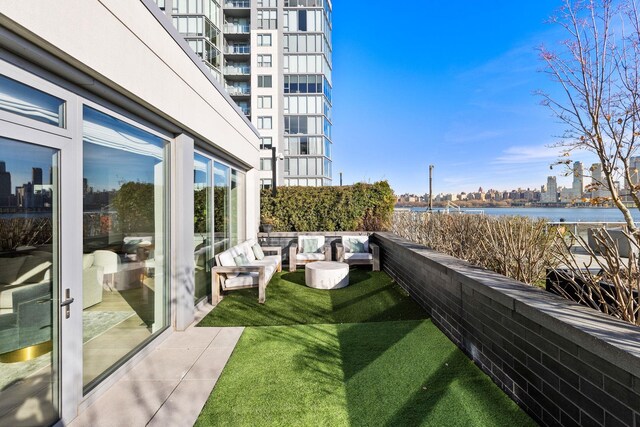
(458, 95)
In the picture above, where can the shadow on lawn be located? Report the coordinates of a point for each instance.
(370, 297)
(408, 373)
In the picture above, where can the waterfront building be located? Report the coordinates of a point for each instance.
(119, 149)
(598, 187)
(275, 59)
(578, 180)
(551, 196)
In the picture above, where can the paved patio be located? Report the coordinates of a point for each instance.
(171, 385)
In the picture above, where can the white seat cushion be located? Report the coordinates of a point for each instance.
(358, 256)
(310, 257)
(242, 279)
(226, 260)
(273, 259)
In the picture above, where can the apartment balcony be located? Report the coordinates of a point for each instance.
(237, 4)
(237, 49)
(236, 29)
(238, 91)
(237, 70)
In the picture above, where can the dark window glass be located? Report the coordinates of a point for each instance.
(302, 20)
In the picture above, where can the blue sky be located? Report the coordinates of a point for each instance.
(443, 83)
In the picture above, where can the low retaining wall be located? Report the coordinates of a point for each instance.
(561, 362)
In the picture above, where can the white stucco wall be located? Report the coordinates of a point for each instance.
(123, 45)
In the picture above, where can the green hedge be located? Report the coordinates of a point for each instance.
(359, 207)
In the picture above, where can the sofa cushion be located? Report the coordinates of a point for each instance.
(226, 260)
(241, 260)
(87, 261)
(248, 251)
(310, 244)
(356, 244)
(34, 270)
(310, 257)
(257, 251)
(9, 269)
(358, 256)
(242, 279)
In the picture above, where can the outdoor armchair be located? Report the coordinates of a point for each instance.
(358, 250)
(308, 249)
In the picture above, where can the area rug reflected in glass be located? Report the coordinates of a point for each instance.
(94, 323)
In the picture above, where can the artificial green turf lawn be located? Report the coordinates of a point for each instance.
(401, 373)
(370, 297)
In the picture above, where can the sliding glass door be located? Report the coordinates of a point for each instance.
(219, 207)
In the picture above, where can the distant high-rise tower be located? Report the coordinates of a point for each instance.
(551, 196)
(578, 180)
(5, 185)
(275, 59)
(598, 184)
(36, 176)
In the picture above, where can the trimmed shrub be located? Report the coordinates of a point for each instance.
(359, 207)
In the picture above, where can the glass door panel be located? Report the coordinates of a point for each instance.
(202, 199)
(125, 291)
(221, 223)
(29, 265)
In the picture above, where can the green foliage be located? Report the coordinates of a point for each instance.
(360, 207)
(200, 209)
(135, 205)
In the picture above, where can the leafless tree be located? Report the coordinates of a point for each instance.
(597, 68)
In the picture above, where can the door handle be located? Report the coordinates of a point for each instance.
(67, 303)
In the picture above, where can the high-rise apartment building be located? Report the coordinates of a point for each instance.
(274, 57)
(551, 196)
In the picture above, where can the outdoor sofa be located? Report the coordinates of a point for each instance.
(241, 267)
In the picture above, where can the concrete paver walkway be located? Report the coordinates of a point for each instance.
(170, 386)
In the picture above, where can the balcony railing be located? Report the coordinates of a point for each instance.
(243, 49)
(238, 91)
(237, 71)
(238, 3)
(236, 29)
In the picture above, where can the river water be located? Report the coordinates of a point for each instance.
(556, 214)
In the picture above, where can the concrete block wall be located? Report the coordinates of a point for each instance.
(562, 363)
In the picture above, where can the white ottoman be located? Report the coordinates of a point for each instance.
(326, 275)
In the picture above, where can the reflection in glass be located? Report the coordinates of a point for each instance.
(18, 98)
(202, 225)
(124, 197)
(237, 207)
(28, 284)
(221, 237)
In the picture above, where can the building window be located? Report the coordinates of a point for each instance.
(265, 81)
(265, 122)
(264, 39)
(266, 143)
(267, 3)
(267, 19)
(265, 164)
(23, 100)
(302, 20)
(264, 61)
(265, 102)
